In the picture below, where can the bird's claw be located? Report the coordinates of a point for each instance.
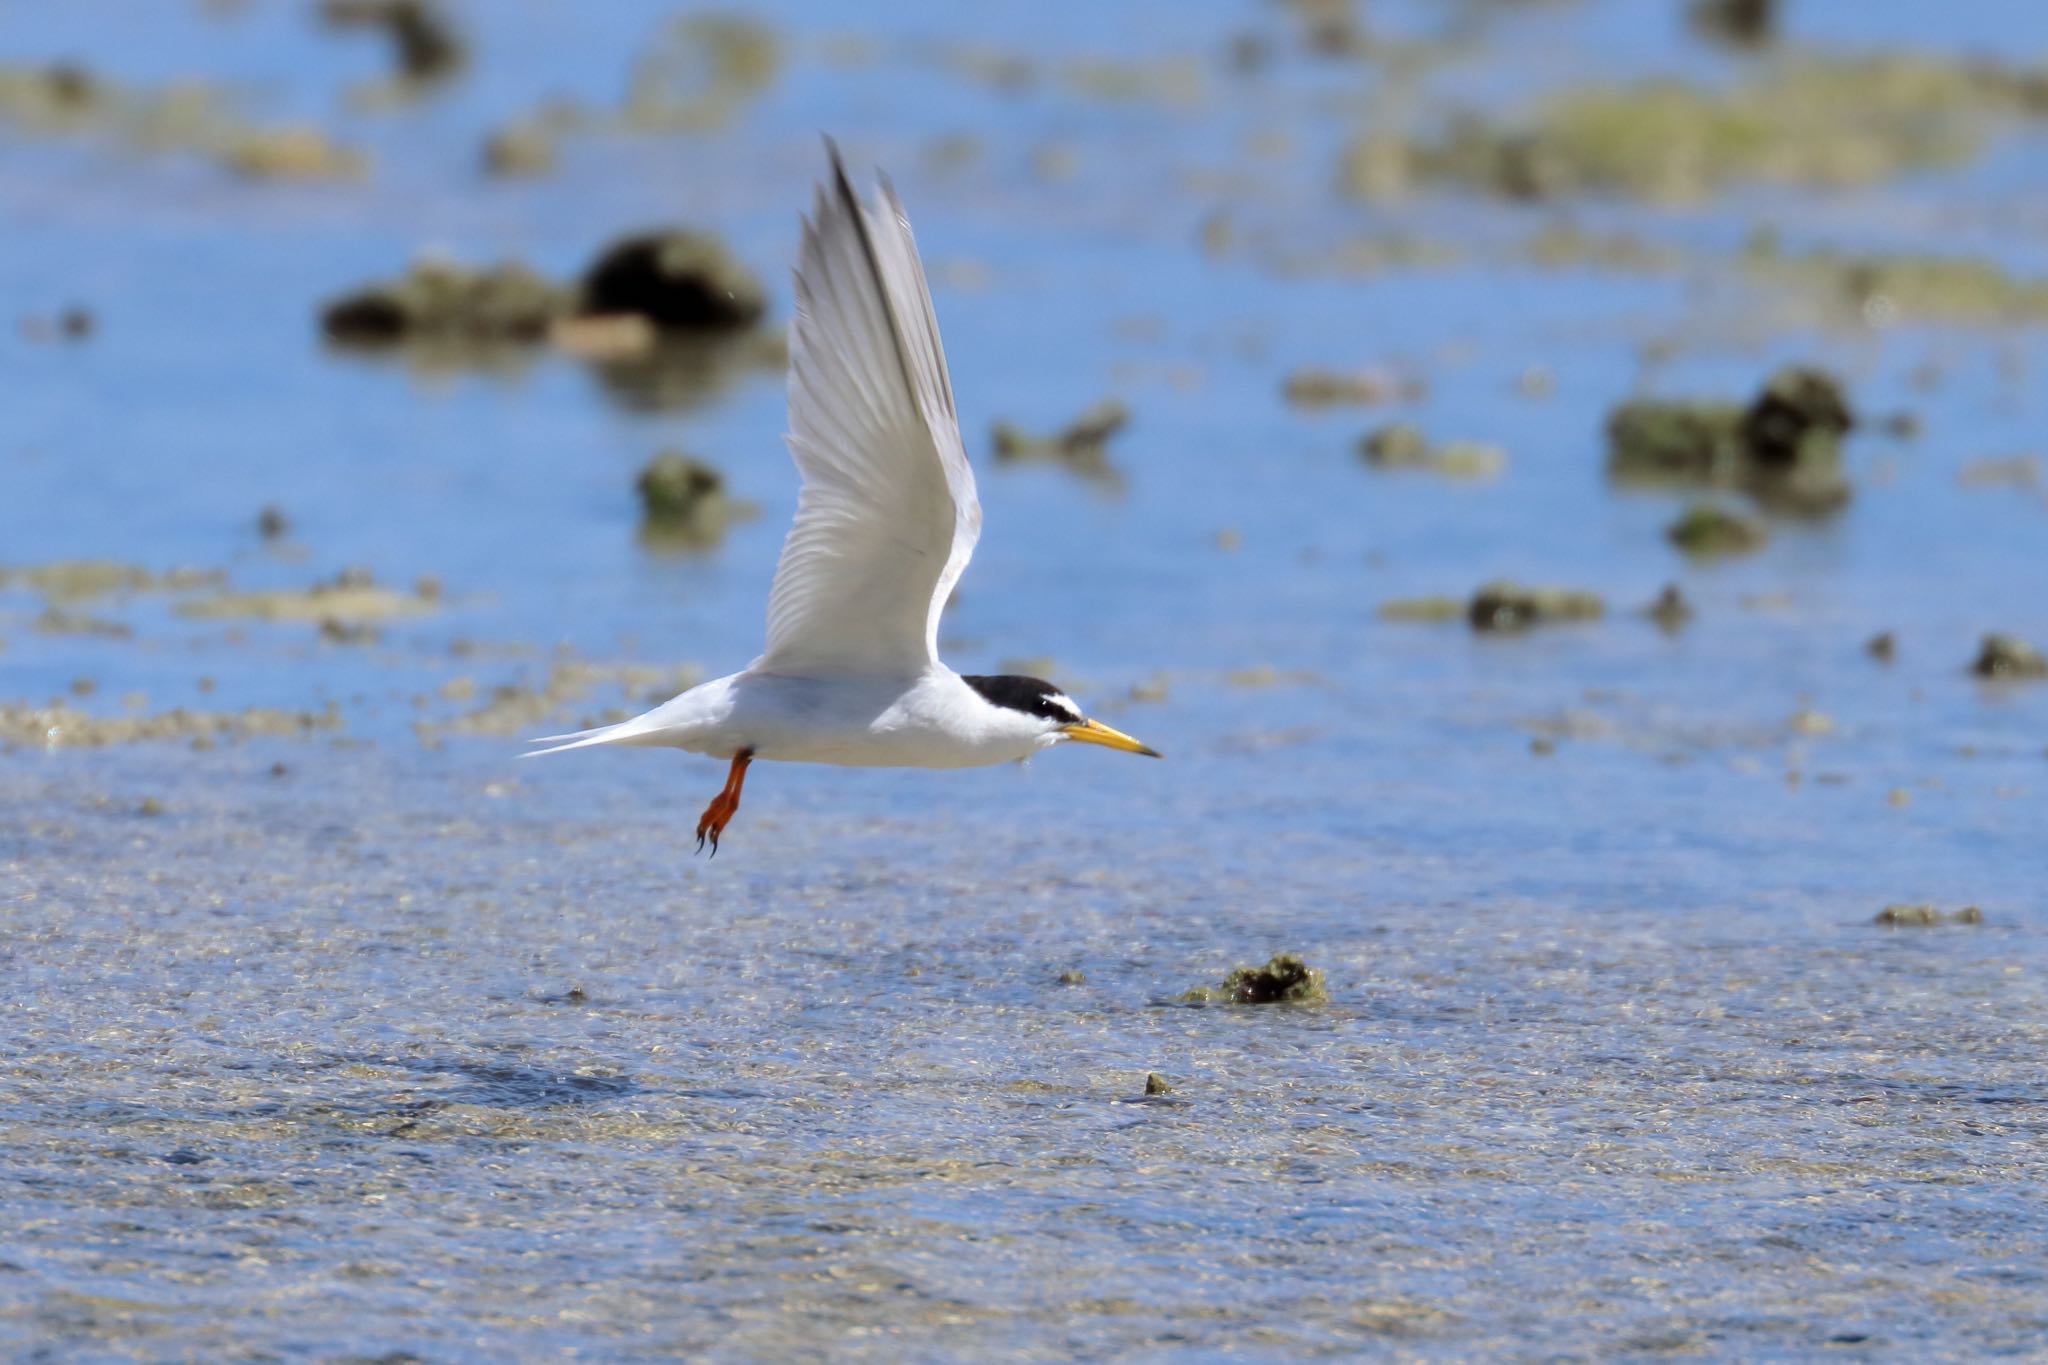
(724, 805)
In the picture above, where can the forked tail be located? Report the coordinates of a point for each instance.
(625, 732)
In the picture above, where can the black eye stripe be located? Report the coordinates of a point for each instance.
(1032, 696)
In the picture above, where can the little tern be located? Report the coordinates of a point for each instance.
(886, 521)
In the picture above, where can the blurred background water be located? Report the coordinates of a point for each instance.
(336, 1033)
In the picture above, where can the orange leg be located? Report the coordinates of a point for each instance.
(719, 813)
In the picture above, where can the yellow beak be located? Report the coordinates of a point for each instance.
(1095, 732)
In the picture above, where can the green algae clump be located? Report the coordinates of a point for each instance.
(352, 598)
(1923, 916)
(1430, 610)
(1284, 980)
(1884, 287)
(519, 149)
(1709, 530)
(1403, 446)
(701, 72)
(294, 152)
(438, 301)
(1082, 445)
(684, 505)
(1824, 122)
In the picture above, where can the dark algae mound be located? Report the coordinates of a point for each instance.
(680, 281)
(1510, 606)
(1798, 420)
(2009, 657)
(1501, 605)
(1784, 447)
(1736, 23)
(424, 43)
(666, 284)
(1284, 980)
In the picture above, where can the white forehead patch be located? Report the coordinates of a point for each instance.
(1064, 703)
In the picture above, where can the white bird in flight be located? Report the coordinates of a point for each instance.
(885, 524)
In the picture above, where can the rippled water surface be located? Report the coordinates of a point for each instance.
(336, 1033)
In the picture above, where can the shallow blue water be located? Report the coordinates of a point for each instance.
(1615, 1062)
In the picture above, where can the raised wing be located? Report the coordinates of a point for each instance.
(888, 516)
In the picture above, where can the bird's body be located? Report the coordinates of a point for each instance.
(934, 720)
(885, 524)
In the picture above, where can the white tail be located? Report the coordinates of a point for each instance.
(625, 732)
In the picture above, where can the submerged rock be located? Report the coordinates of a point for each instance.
(1926, 916)
(1503, 606)
(1738, 23)
(1156, 1084)
(2008, 657)
(1671, 611)
(1706, 529)
(1399, 445)
(519, 149)
(425, 44)
(683, 503)
(678, 280)
(1783, 448)
(72, 323)
(59, 95)
(440, 301)
(1285, 979)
